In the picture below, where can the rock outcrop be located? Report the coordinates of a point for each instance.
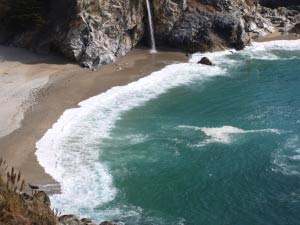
(101, 31)
(95, 32)
(88, 31)
(201, 25)
(73, 220)
(205, 61)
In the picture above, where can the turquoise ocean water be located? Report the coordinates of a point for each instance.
(190, 144)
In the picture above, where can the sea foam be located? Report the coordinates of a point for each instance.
(225, 134)
(71, 150)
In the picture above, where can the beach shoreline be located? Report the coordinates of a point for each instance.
(52, 85)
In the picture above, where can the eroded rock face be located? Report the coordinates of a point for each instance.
(201, 25)
(92, 32)
(102, 31)
(95, 32)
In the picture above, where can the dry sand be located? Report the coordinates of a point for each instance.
(36, 89)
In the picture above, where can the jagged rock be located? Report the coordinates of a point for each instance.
(95, 32)
(205, 61)
(69, 220)
(90, 32)
(87, 222)
(73, 220)
(102, 31)
(200, 25)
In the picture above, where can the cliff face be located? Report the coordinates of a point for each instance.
(95, 32)
(101, 31)
(279, 3)
(92, 32)
(201, 25)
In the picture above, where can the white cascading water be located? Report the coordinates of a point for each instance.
(153, 45)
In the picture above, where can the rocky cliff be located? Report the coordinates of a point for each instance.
(95, 32)
(202, 25)
(101, 30)
(279, 3)
(92, 32)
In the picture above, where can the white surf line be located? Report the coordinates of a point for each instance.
(70, 151)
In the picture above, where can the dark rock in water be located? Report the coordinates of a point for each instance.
(87, 222)
(68, 220)
(297, 28)
(108, 223)
(73, 220)
(205, 61)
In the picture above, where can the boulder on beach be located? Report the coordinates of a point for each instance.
(205, 61)
(297, 28)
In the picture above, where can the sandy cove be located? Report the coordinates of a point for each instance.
(35, 90)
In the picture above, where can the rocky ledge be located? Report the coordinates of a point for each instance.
(94, 33)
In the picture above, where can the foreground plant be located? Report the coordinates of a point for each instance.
(18, 207)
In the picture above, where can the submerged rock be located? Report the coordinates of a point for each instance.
(205, 61)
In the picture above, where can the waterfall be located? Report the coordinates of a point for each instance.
(153, 46)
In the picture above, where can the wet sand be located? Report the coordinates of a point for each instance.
(37, 89)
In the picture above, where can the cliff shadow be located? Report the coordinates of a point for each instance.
(25, 56)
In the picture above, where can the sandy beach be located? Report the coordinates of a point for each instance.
(277, 35)
(37, 89)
